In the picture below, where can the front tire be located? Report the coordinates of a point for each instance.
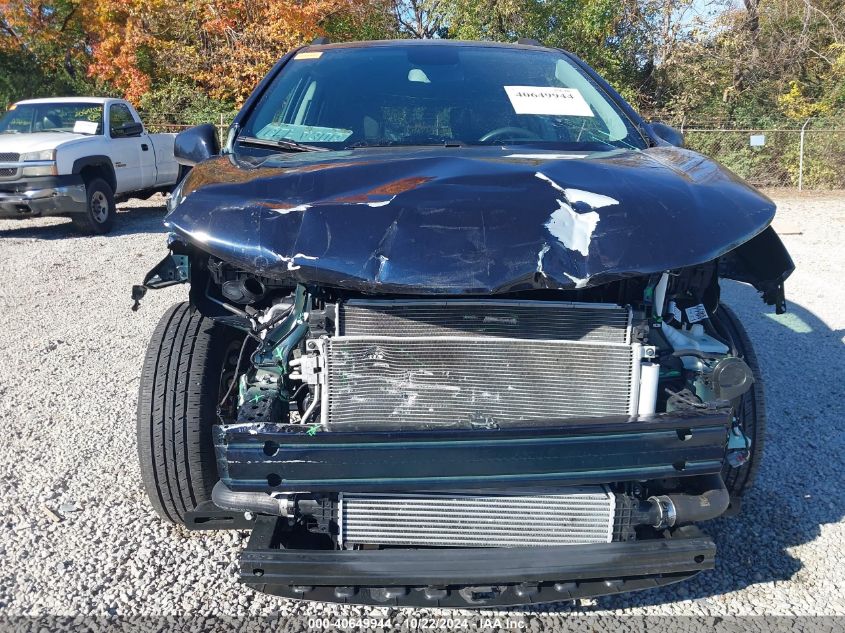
(98, 217)
(751, 410)
(181, 385)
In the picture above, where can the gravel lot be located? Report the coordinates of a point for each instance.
(78, 537)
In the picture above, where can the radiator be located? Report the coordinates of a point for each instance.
(568, 517)
(446, 381)
(447, 363)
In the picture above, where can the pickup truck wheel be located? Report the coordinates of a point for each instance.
(98, 217)
(751, 411)
(186, 371)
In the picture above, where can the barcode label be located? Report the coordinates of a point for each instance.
(696, 313)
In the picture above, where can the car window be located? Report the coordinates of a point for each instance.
(30, 118)
(119, 115)
(419, 95)
(18, 121)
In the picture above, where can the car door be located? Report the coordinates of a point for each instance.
(149, 170)
(125, 151)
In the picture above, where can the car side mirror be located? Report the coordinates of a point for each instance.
(196, 144)
(128, 130)
(667, 133)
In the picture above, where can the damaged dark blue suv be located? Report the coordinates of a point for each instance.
(454, 334)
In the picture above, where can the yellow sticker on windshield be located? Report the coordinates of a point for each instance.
(309, 55)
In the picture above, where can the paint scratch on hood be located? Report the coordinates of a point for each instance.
(304, 207)
(283, 211)
(546, 248)
(542, 176)
(593, 200)
(291, 261)
(381, 203)
(382, 265)
(579, 283)
(572, 229)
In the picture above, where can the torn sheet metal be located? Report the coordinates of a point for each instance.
(477, 220)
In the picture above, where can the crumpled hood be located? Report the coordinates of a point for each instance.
(467, 221)
(36, 142)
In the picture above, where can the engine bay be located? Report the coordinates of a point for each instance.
(318, 356)
(318, 363)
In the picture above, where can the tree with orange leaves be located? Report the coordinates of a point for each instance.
(43, 48)
(224, 46)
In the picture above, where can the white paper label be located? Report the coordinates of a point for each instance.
(552, 101)
(696, 313)
(675, 311)
(85, 127)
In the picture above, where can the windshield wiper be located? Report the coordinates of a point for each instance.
(365, 144)
(443, 143)
(285, 144)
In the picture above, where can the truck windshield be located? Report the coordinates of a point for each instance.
(434, 94)
(30, 118)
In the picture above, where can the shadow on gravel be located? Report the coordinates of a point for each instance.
(147, 218)
(799, 485)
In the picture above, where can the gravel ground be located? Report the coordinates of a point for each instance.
(77, 536)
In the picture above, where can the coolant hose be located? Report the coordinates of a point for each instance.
(682, 508)
(227, 499)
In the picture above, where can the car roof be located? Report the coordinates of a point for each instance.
(527, 45)
(95, 100)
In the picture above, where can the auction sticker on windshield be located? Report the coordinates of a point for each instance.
(85, 127)
(551, 101)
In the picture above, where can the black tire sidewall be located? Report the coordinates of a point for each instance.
(88, 223)
(177, 404)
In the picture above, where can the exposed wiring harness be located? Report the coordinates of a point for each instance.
(253, 334)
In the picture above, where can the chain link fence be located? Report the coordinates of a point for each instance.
(811, 156)
(176, 122)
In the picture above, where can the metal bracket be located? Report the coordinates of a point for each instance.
(649, 352)
(173, 269)
(207, 516)
(310, 368)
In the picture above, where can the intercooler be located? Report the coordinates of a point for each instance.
(487, 363)
(570, 517)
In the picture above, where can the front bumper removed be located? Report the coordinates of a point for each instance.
(473, 577)
(269, 458)
(279, 458)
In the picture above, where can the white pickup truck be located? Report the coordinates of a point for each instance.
(74, 156)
